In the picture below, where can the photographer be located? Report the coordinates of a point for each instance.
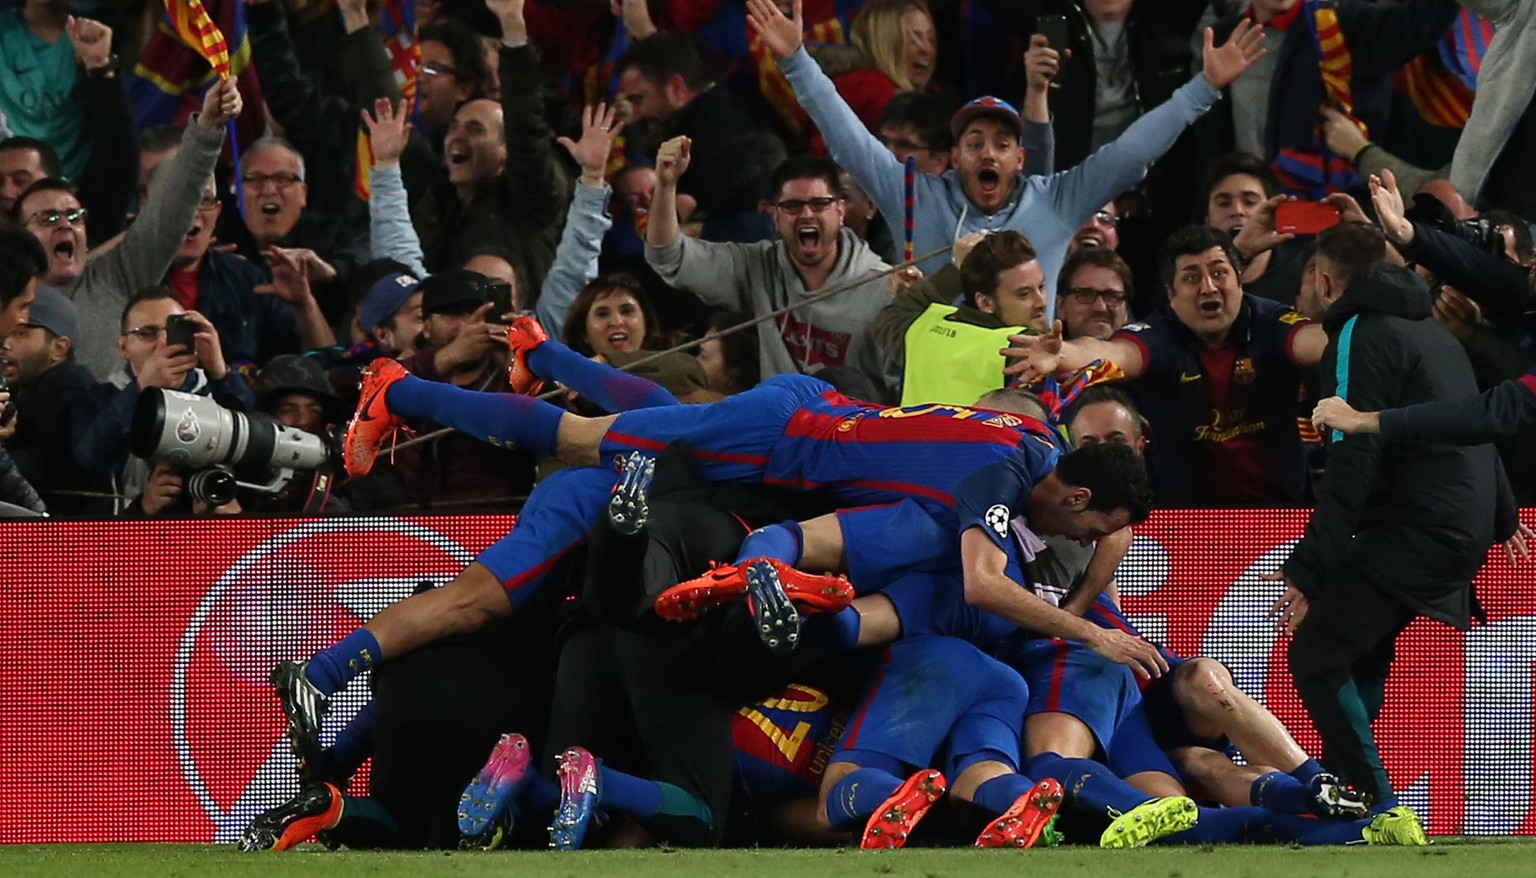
(165, 494)
(294, 390)
(101, 423)
(38, 361)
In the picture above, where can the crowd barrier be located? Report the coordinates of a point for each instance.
(134, 703)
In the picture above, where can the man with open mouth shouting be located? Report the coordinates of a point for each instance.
(987, 190)
(51, 211)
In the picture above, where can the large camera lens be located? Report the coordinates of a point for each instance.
(212, 486)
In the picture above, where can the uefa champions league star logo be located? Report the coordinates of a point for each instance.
(294, 593)
(997, 518)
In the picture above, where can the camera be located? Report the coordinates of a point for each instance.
(197, 433)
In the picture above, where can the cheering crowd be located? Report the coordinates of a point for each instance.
(750, 309)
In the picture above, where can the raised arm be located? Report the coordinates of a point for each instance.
(586, 222)
(531, 175)
(1492, 416)
(390, 231)
(1036, 356)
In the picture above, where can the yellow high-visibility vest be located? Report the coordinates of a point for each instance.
(952, 361)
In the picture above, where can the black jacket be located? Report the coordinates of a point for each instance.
(1412, 518)
(1381, 37)
(42, 445)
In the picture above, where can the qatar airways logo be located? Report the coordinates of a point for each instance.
(1496, 699)
(286, 598)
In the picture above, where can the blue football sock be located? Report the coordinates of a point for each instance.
(354, 743)
(536, 796)
(781, 542)
(1261, 826)
(1307, 770)
(1089, 786)
(497, 418)
(998, 794)
(627, 793)
(838, 632)
(608, 388)
(334, 667)
(853, 799)
(1281, 792)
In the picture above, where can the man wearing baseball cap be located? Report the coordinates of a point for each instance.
(38, 360)
(390, 314)
(987, 190)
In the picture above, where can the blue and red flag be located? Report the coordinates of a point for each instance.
(397, 24)
(185, 55)
(1441, 82)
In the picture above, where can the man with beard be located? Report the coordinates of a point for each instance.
(38, 361)
(465, 348)
(100, 290)
(814, 251)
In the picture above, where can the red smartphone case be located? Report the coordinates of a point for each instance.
(1305, 217)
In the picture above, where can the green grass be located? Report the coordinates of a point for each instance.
(1448, 858)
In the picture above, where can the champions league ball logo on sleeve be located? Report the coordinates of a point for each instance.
(291, 595)
(997, 518)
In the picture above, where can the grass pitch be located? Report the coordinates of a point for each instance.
(1447, 858)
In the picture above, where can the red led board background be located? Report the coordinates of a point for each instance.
(134, 661)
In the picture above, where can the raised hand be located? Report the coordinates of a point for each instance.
(636, 15)
(1390, 212)
(1456, 312)
(1034, 356)
(514, 28)
(166, 367)
(389, 129)
(964, 245)
(1334, 413)
(1226, 63)
(672, 161)
(783, 35)
(599, 126)
(92, 41)
(1520, 544)
(221, 104)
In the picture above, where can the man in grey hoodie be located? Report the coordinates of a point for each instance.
(101, 287)
(986, 189)
(814, 251)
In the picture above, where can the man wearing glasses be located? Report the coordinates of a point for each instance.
(277, 213)
(1094, 293)
(814, 251)
(51, 211)
(101, 423)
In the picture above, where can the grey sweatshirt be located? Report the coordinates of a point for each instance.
(102, 291)
(760, 278)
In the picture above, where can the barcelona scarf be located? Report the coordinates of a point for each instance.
(1312, 171)
(397, 25)
(1058, 392)
(1441, 82)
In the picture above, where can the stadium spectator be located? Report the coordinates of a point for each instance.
(101, 287)
(466, 349)
(276, 213)
(22, 262)
(1491, 167)
(663, 89)
(1100, 230)
(294, 390)
(987, 191)
(916, 124)
(1094, 293)
(895, 49)
(50, 54)
(1279, 108)
(257, 318)
(1216, 374)
(497, 182)
(814, 251)
(102, 421)
(24, 161)
(391, 314)
(1237, 187)
(37, 359)
(453, 72)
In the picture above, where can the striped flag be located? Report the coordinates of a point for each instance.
(397, 25)
(190, 20)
